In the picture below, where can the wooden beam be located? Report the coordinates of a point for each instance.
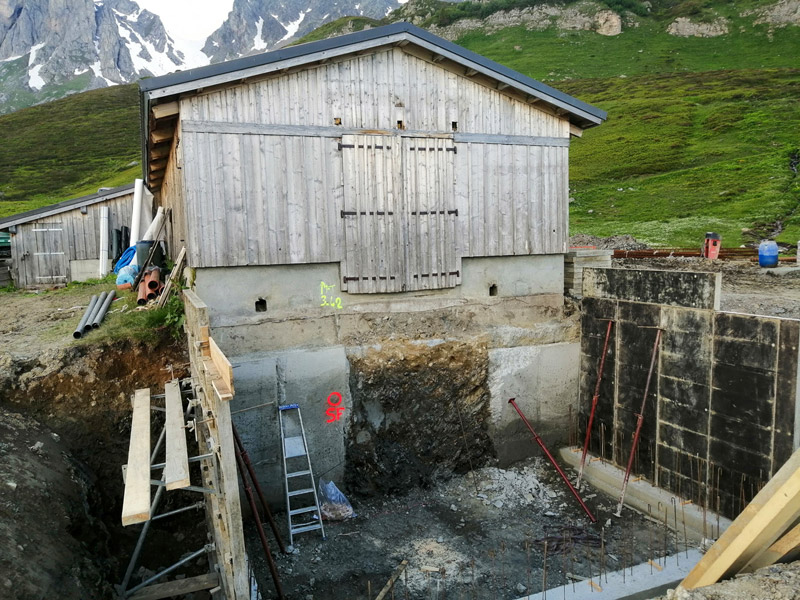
(470, 72)
(390, 584)
(224, 367)
(136, 500)
(157, 173)
(501, 86)
(168, 109)
(575, 131)
(437, 58)
(176, 472)
(160, 151)
(783, 550)
(774, 510)
(161, 135)
(158, 165)
(179, 587)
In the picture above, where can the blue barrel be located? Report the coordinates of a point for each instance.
(767, 254)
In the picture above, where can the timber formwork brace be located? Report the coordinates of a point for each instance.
(123, 590)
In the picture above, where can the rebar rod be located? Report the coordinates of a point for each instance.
(246, 459)
(563, 475)
(595, 397)
(270, 561)
(639, 421)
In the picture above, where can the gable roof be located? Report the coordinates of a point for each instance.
(66, 205)
(158, 89)
(192, 79)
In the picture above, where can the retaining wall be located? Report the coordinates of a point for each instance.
(722, 412)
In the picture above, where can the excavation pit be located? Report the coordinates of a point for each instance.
(475, 535)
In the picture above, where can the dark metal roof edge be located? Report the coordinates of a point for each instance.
(266, 58)
(65, 205)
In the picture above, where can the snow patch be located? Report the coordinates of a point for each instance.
(10, 58)
(293, 27)
(35, 81)
(34, 50)
(402, 1)
(258, 41)
(95, 67)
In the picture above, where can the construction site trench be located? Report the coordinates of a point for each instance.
(430, 491)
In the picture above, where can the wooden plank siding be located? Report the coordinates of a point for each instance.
(35, 252)
(374, 91)
(270, 168)
(171, 196)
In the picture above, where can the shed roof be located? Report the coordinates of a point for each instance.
(158, 90)
(66, 205)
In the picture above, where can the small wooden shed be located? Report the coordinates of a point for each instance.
(60, 243)
(391, 152)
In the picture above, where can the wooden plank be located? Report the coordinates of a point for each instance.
(784, 550)
(390, 584)
(176, 472)
(221, 362)
(178, 587)
(136, 501)
(167, 109)
(774, 509)
(161, 135)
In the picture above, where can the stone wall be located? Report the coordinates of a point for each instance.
(720, 416)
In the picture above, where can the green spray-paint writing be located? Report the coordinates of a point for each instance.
(328, 297)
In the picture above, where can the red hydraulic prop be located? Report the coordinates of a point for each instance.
(594, 402)
(639, 421)
(553, 461)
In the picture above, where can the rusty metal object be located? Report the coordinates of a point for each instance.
(639, 421)
(595, 397)
(553, 461)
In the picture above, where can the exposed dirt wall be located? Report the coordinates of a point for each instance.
(80, 393)
(410, 401)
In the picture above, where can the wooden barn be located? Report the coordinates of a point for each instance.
(60, 243)
(390, 153)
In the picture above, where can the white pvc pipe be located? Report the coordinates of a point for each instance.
(103, 241)
(136, 212)
(152, 231)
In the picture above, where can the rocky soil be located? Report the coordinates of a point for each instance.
(477, 535)
(777, 582)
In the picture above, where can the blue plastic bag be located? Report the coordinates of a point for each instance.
(127, 274)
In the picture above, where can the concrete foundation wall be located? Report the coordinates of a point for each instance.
(81, 270)
(544, 381)
(721, 413)
(232, 294)
(412, 368)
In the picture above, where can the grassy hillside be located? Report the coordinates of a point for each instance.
(701, 132)
(68, 148)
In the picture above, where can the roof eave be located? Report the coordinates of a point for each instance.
(64, 206)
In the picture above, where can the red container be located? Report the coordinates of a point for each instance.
(711, 245)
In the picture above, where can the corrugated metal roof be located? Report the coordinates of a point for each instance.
(527, 84)
(54, 209)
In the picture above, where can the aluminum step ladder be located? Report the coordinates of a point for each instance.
(297, 475)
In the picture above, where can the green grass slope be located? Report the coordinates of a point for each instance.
(68, 148)
(702, 132)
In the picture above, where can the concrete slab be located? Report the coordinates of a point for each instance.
(645, 497)
(638, 583)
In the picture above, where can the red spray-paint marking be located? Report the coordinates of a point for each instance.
(335, 409)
